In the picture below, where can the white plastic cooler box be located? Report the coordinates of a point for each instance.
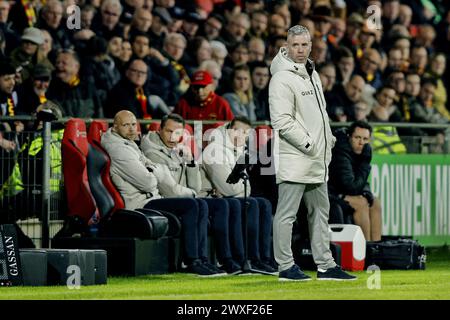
(353, 245)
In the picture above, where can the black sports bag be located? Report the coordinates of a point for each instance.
(401, 253)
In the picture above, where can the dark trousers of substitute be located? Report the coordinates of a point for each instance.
(226, 226)
(259, 226)
(193, 214)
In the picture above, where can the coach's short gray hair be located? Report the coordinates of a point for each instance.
(298, 30)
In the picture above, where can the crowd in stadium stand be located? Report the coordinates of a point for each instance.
(385, 64)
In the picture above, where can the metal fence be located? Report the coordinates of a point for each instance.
(32, 188)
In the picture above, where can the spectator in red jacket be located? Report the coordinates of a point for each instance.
(201, 102)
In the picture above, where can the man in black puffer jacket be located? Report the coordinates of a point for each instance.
(349, 171)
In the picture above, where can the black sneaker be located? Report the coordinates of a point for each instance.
(335, 274)
(293, 274)
(199, 268)
(258, 266)
(231, 267)
(214, 269)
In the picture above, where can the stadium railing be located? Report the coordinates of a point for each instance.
(32, 189)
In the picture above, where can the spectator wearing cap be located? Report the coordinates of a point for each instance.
(34, 90)
(214, 70)
(201, 102)
(131, 93)
(51, 15)
(74, 92)
(25, 56)
(191, 23)
(176, 14)
(160, 27)
(354, 24)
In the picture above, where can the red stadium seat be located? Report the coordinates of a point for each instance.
(263, 134)
(117, 220)
(74, 150)
(154, 126)
(96, 130)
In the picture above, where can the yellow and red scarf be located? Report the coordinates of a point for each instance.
(29, 12)
(142, 98)
(10, 103)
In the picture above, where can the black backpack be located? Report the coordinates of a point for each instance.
(396, 253)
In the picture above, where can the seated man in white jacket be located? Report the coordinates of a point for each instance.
(164, 147)
(139, 181)
(219, 159)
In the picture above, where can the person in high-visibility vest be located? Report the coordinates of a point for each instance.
(385, 137)
(26, 175)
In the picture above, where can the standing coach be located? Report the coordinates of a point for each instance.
(298, 114)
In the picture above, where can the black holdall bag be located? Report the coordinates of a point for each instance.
(396, 253)
(10, 267)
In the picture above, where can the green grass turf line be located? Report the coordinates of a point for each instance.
(432, 283)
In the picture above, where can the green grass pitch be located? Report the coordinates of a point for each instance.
(432, 283)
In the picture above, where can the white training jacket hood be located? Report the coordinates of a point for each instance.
(282, 62)
(298, 113)
(219, 159)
